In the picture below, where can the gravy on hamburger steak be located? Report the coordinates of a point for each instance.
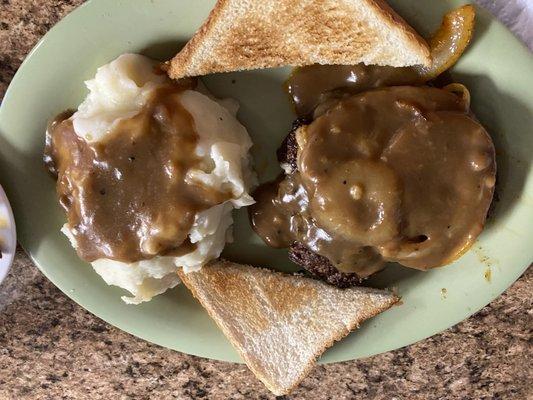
(383, 171)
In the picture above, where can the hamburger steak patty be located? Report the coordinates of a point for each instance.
(288, 150)
(321, 267)
(314, 263)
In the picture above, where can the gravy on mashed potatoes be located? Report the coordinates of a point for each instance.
(148, 171)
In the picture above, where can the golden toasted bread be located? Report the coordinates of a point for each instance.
(281, 323)
(252, 34)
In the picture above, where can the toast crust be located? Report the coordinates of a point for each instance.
(246, 34)
(248, 304)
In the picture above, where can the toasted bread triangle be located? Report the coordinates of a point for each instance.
(252, 34)
(281, 323)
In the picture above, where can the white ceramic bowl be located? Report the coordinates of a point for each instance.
(8, 235)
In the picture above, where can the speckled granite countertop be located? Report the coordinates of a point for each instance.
(50, 348)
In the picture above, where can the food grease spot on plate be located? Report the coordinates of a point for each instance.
(484, 258)
(488, 275)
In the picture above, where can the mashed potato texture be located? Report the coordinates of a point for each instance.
(119, 91)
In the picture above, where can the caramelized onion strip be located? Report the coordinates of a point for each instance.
(450, 41)
(461, 91)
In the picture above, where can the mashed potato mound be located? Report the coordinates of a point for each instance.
(119, 91)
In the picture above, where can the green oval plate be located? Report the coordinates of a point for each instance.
(497, 69)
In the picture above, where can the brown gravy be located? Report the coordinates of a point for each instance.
(322, 85)
(401, 174)
(127, 197)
